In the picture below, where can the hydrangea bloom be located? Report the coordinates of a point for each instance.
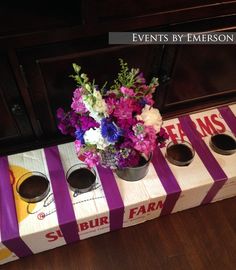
(109, 158)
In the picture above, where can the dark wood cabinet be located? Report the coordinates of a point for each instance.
(40, 41)
(14, 122)
(134, 8)
(47, 72)
(197, 76)
(202, 76)
(26, 16)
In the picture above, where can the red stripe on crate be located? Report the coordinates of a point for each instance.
(211, 164)
(113, 197)
(229, 118)
(65, 212)
(168, 181)
(9, 228)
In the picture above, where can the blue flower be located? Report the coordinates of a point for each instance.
(79, 134)
(110, 131)
(142, 102)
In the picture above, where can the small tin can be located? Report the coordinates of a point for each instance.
(134, 173)
(180, 153)
(224, 143)
(81, 178)
(33, 187)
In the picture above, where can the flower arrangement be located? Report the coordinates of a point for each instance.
(113, 126)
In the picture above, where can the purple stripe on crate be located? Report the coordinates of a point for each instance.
(8, 218)
(64, 207)
(212, 192)
(113, 197)
(168, 181)
(211, 164)
(229, 118)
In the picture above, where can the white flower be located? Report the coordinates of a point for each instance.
(95, 105)
(94, 136)
(100, 104)
(151, 117)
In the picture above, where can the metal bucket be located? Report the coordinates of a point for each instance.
(134, 173)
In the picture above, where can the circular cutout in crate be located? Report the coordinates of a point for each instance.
(33, 187)
(81, 178)
(224, 144)
(180, 153)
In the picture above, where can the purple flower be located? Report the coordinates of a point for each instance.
(88, 122)
(124, 109)
(140, 78)
(162, 136)
(63, 128)
(143, 138)
(128, 157)
(110, 131)
(77, 101)
(77, 146)
(60, 113)
(111, 104)
(64, 124)
(149, 100)
(127, 91)
(125, 124)
(91, 159)
(74, 119)
(79, 134)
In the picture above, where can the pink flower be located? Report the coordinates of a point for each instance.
(124, 108)
(77, 101)
(77, 146)
(125, 124)
(141, 79)
(111, 104)
(145, 88)
(60, 113)
(127, 91)
(143, 146)
(88, 122)
(145, 141)
(148, 99)
(91, 159)
(151, 133)
(162, 137)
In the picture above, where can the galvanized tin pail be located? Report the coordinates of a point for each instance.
(134, 173)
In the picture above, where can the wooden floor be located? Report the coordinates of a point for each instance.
(199, 238)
